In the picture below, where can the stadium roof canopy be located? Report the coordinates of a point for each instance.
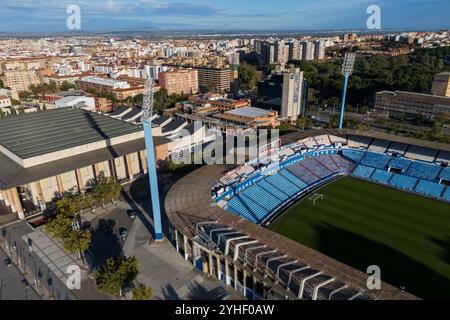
(39, 145)
(39, 133)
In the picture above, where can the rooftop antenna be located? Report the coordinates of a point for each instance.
(347, 70)
(151, 162)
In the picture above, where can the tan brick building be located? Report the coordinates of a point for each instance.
(179, 81)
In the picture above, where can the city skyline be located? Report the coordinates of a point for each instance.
(142, 15)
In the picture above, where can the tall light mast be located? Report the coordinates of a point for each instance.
(147, 115)
(347, 70)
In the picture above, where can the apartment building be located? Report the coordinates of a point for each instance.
(218, 79)
(20, 80)
(179, 81)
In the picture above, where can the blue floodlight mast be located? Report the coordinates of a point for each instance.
(347, 70)
(151, 162)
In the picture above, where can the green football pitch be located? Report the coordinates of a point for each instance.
(363, 224)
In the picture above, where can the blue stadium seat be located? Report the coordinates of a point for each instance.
(299, 183)
(328, 162)
(283, 184)
(445, 174)
(237, 207)
(400, 163)
(258, 210)
(376, 160)
(403, 182)
(447, 194)
(273, 190)
(423, 170)
(430, 188)
(305, 175)
(363, 171)
(344, 164)
(262, 197)
(316, 168)
(381, 176)
(354, 155)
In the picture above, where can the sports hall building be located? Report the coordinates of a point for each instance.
(46, 154)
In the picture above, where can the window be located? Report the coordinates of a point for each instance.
(84, 172)
(66, 177)
(46, 183)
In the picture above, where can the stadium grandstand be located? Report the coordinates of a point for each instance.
(218, 213)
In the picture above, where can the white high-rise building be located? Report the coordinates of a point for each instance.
(292, 93)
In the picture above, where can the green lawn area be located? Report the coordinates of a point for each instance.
(362, 224)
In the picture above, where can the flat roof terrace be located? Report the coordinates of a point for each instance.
(40, 137)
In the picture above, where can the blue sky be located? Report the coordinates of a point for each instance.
(100, 15)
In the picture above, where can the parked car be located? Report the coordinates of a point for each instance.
(8, 262)
(132, 213)
(123, 233)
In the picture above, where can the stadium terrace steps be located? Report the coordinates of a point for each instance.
(354, 155)
(363, 172)
(376, 160)
(236, 206)
(446, 195)
(265, 199)
(303, 174)
(282, 196)
(430, 188)
(445, 174)
(258, 210)
(400, 163)
(283, 184)
(423, 170)
(299, 183)
(344, 164)
(329, 161)
(403, 182)
(320, 171)
(382, 176)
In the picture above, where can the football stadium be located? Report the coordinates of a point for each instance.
(309, 217)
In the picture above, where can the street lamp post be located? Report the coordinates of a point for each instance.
(151, 162)
(347, 70)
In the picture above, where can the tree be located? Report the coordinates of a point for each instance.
(66, 86)
(363, 110)
(77, 241)
(141, 292)
(116, 275)
(60, 227)
(24, 95)
(248, 76)
(303, 122)
(105, 189)
(334, 122)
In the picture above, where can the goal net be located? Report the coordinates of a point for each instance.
(315, 198)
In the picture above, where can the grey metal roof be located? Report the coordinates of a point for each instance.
(118, 112)
(249, 112)
(134, 112)
(173, 125)
(39, 133)
(160, 120)
(13, 175)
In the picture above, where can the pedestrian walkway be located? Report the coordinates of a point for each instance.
(13, 286)
(53, 255)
